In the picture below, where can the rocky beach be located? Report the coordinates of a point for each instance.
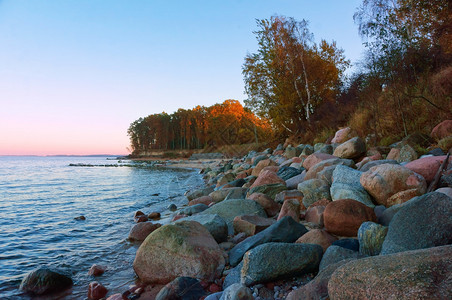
(336, 220)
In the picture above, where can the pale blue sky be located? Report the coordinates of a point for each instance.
(75, 74)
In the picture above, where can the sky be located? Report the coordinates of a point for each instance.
(75, 73)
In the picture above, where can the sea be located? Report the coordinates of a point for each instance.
(41, 197)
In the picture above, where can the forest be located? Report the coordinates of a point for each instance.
(297, 88)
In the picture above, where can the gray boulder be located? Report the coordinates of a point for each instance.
(274, 261)
(346, 185)
(233, 276)
(286, 230)
(232, 208)
(213, 223)
(292, 183)
(199, 193)
(194, 209)
(423, 222)
(335, 254)
(288, 172)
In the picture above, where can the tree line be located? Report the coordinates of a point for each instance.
(201, 127)
(298, 88)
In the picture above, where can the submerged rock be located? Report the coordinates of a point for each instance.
(44, 281)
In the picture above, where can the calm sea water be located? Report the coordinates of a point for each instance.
(41, 196)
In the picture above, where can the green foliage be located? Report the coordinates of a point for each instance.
(446, 143)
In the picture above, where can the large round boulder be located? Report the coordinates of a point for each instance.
(420, 274)
(423, 222)
(180, 249)
(384, 181)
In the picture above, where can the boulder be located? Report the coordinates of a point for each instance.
(314, 190)
(225, 179)
(367, 166)
(317, 288)
(342, 135)
(237, 291)
(267, 177)
(194, 209)
(307, 150)
(327, 174)
(272, 261)
(385, 180)
(404, 154)
(423, 222)
(220, 195)
(156, 215)
(344, 217)
(237, 193)
(267, 203)
(335, 254)
(371, 237)
(182, 288)
(427, 166)
(251, 224)
(182, 249)
(141, 230)
(96, 291)
(293, 182)
(44, 281)
(346, 185)
(233, 276)
(286, 173)
(198, 193)
(315, 158)
(442, 130)
(327, 149)
(317, 236)
(353, 148)
(96, 270)
(289, 194)
(314, 214)
(262, 164)
(216, 226)
(285, 230)
(229, 209)
(420, 274)
(291, 208)
(292, 152)
(204, 200)
(348, 243)
(446, 191)
(268, 189)
(316, 169)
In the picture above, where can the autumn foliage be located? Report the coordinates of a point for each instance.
(201, 127)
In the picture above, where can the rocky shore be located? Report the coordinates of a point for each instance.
(327, 221)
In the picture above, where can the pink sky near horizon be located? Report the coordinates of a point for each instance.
(74, 74)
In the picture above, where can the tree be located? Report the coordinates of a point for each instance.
(290, 75)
